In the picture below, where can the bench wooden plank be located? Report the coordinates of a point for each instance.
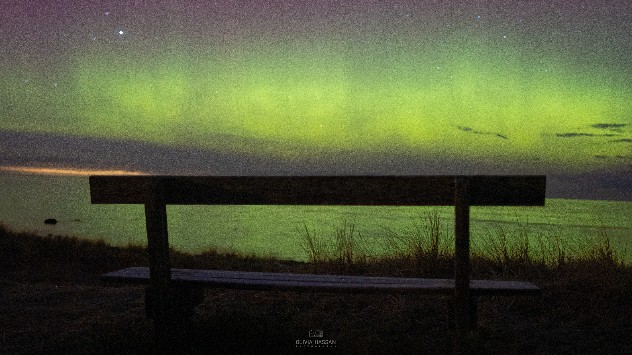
(324, 283)
(318, 190)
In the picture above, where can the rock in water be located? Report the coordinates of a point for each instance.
(50, 221)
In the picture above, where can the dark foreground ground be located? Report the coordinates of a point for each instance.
(52, 302)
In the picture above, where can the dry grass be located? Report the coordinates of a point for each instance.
(52, 301)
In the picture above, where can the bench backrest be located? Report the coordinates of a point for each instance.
(318, 190)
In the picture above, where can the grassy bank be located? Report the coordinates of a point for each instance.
(53, 302)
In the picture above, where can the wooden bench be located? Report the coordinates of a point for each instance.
(176, 291)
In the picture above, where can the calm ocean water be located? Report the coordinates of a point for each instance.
(27, 200)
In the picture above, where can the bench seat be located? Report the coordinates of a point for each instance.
(324, 283)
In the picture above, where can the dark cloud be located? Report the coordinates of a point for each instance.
(618, 157)
(604, 184)
(44, 149)
(36, 149)
(581, 134)
(612, 127)
(617, 127)
(470, 130)
(48, 149)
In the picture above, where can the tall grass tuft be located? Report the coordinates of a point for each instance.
(342, 248)
(602, 252)
(315, 247)
(422, 250)
(552, 248)
(346, 239)
(425, 243)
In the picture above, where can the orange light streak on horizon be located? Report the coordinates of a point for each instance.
(66, 171)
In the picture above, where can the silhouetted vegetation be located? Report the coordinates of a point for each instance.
(52, 300)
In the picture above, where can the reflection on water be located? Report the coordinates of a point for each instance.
(27, 200)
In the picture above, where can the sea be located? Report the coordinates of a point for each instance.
(26, 201)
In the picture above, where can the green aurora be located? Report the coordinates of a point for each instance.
(485, 90)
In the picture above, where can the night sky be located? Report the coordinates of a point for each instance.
(300, 87)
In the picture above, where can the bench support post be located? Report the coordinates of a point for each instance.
(462, 309)
(159, 266)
